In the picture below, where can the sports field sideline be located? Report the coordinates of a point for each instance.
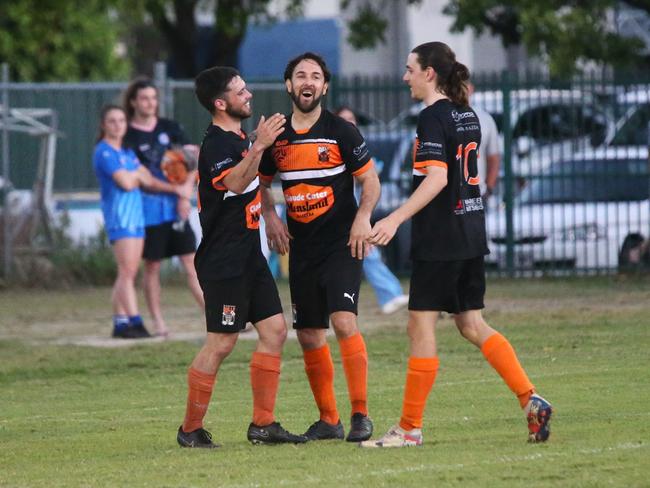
(72, 414)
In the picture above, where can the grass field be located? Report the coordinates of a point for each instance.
(75, 415)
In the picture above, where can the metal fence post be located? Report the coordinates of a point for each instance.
(8, 255)
(334, 88)
(160, 80)
(508, 178)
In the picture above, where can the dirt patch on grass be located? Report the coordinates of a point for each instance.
(83, 317)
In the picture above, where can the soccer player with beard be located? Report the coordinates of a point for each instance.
(448, 244)
(236, 281)
(317, 156)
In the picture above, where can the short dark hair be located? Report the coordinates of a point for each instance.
(212, 83)
(291, 65)
(131, 93)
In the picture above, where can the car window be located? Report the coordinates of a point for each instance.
(636, 130)
(498, 120)
(559, 122)
(590, 181)
(540, 123)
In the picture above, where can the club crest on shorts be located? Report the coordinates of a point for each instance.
(294, 313)
(228, 315)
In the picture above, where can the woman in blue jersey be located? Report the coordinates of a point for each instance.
(120, 176)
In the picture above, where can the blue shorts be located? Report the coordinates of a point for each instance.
(117, 234)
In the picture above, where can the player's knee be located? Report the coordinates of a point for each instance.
(222, 347)
(273, 332)
(127, 272)
(311, 338)
(471, 328)
(345, 324)
(152, 267)
(418, 330)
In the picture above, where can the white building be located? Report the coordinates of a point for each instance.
(410, 25)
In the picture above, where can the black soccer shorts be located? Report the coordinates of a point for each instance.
(322, 286)
(447, 286)
(233, 302)
(168, 239)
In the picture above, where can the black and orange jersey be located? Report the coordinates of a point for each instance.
(317, 168)
(229, 221)
(452, 225)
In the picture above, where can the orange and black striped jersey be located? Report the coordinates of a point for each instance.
(229, 221)
(316, 168)
(452, 225)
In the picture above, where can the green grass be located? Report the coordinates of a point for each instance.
(78, 416)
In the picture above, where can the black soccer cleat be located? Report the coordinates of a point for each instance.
(139, 331)
(273, 433)
(321, 430)
(197, 438)
(360, 428)
(128, 332)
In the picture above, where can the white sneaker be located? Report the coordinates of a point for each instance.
(394, 304)
(396, 437)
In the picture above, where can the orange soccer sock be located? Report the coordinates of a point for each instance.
(200, 387)
(502, 357)
(355, 365)
(265, 378)
(420, 376)
(320, 372)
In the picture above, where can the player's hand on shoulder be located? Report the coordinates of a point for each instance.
(269, 129)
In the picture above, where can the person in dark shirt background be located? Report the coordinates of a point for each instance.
(167, 229)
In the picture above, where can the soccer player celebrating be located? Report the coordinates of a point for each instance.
(237, 284)
(448, 244)
(317, 156)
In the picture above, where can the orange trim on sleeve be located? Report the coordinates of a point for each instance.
(216, 181)
(429, 162)
(364, 168)
(265, 178)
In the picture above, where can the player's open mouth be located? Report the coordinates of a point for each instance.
(306, 94)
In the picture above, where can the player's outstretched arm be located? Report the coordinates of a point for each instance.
(277, 233)
(360, 230)
(246, 171)
(385, 229)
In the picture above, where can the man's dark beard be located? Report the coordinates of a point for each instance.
(239, 114)
(314, 103)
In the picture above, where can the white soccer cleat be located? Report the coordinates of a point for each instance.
(396, 437)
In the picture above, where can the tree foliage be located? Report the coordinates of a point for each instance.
(175, 21)
(61, 40)
(566, 33)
